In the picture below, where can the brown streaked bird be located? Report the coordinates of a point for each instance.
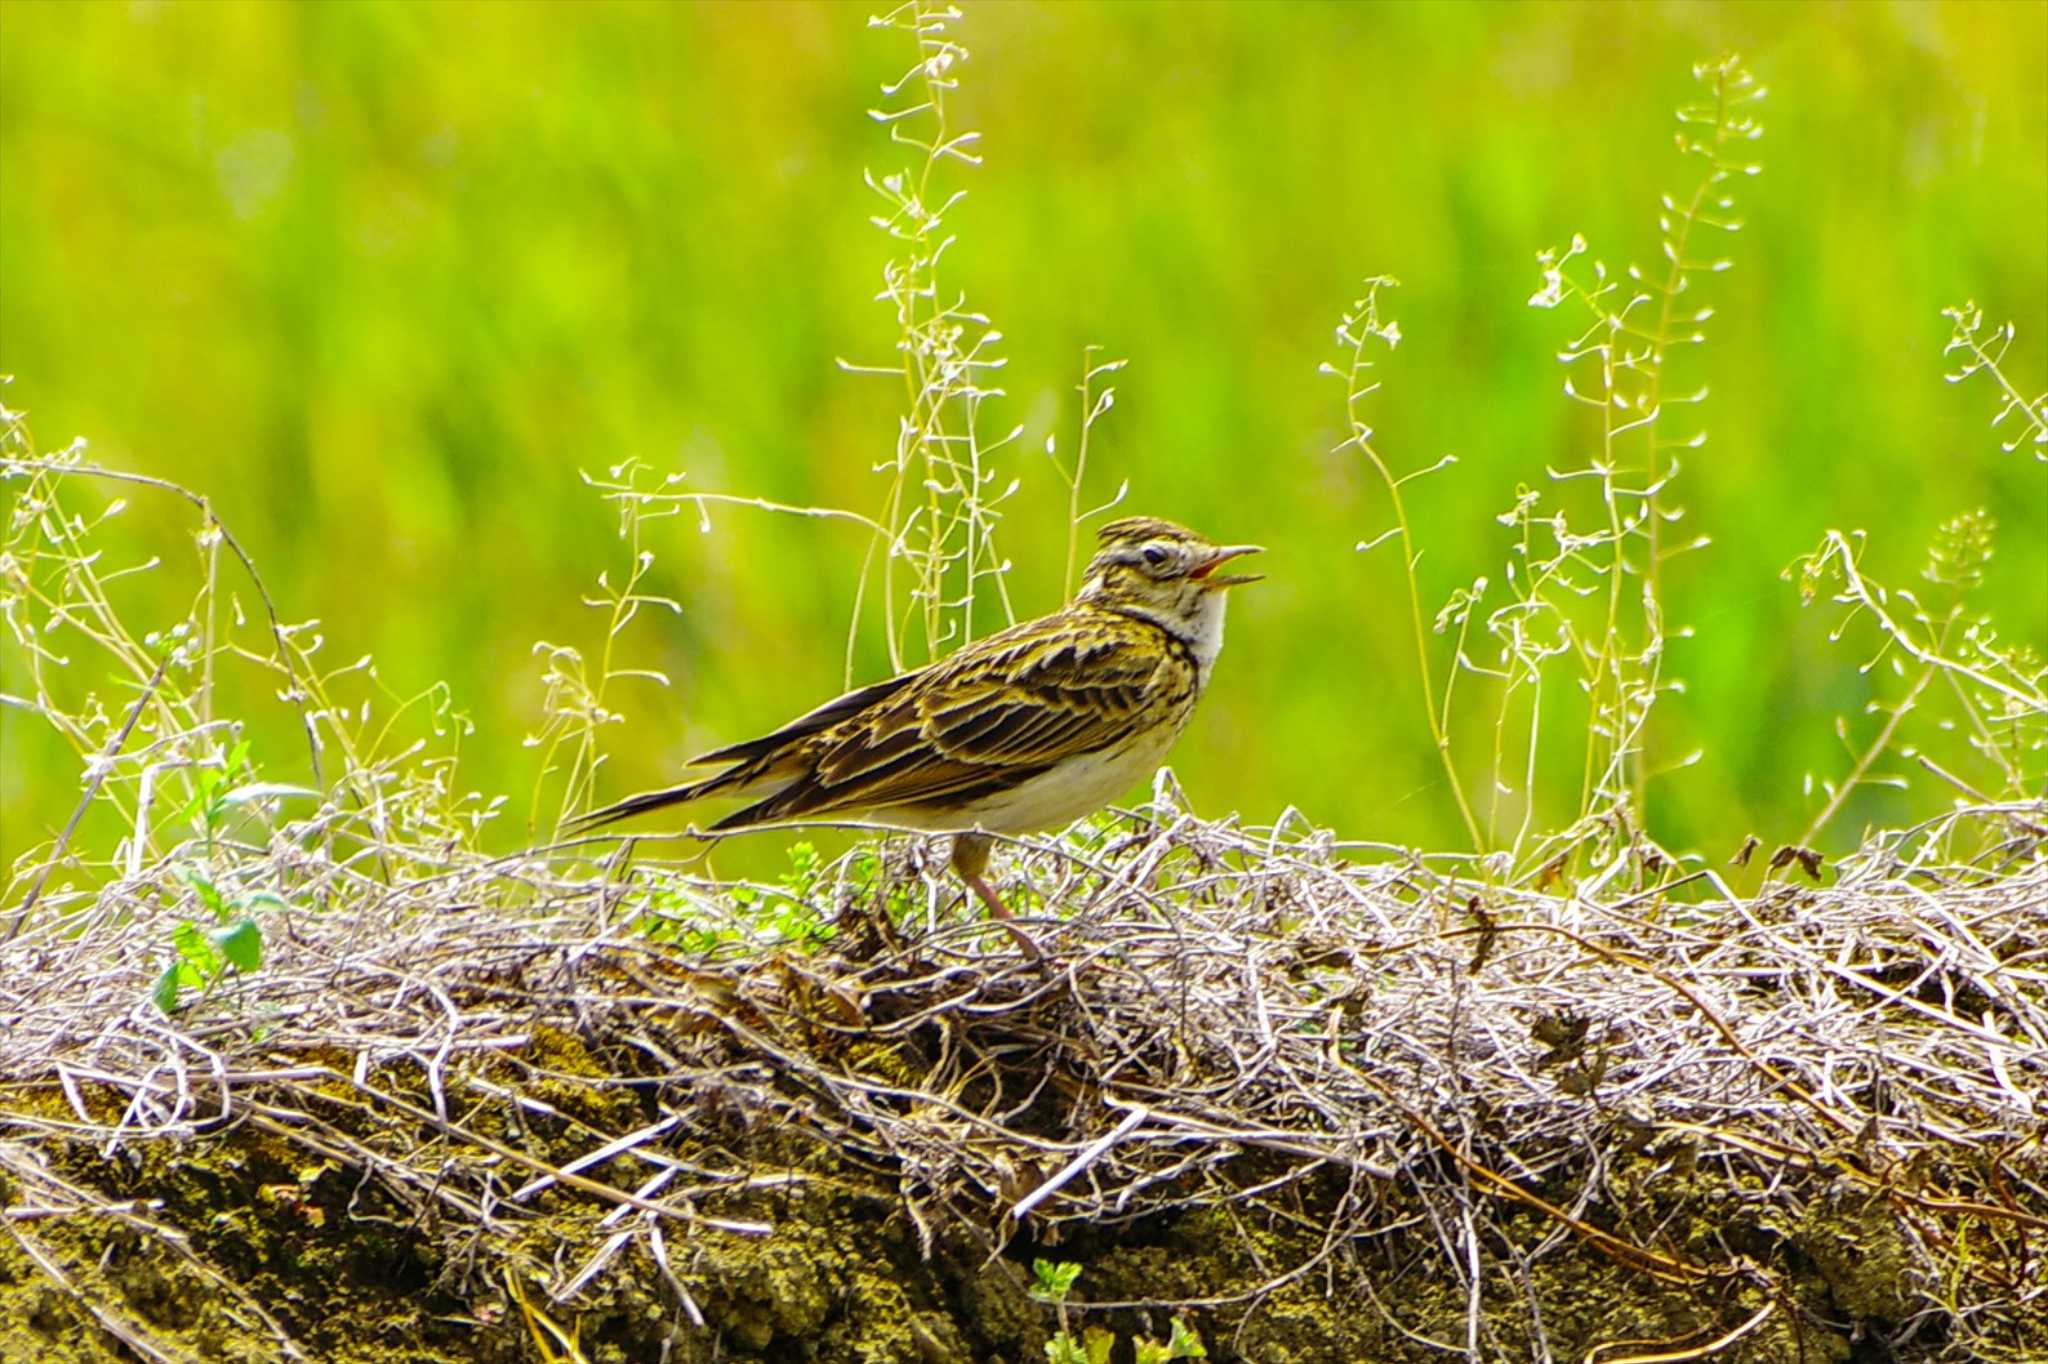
(1027, 729)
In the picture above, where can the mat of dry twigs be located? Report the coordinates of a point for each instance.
(1326, 1102)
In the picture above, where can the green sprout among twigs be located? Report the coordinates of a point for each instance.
(1181, 1343)
(203, 958)
(791, 915)
(870, 881)
(1053, 1280)
(786, 914)
(219, 790)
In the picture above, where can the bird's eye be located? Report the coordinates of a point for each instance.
(1155, 556)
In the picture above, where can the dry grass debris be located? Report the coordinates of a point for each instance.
(1391, 1070)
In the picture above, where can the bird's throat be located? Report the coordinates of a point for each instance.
(1199, 626)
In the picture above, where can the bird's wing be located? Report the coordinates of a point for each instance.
(1005, 709)
(823, 718)
(757, 767)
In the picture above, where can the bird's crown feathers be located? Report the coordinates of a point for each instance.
(1133, 529)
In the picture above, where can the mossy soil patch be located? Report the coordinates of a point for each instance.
(241, 1241)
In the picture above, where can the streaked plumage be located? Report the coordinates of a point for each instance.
(1027, 729)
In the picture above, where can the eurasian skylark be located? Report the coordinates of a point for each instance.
(1027, 729)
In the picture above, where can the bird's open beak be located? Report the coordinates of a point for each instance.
(1223, 554)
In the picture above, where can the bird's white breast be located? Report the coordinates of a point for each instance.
(1079, 785)
(1206, 636)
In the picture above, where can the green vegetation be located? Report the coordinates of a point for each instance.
(1053, 1280)
(508, 332)
(203, 960)
(381, 279)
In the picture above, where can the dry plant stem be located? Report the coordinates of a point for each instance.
(2001, 691)
(943, 527)
(115, 1323)
(1879, 746)
(1534, 682)
(1654, 473)
(299, 690)
(575, 703)
(1621, 654)
(1966, 321)
(1858, 592)
(1438, 733)
(1360, 326)
(2015, 780)
(1074, 483)
(92, 789)
(926, 373)
(879, 537)
(1706, 1351)
(1605, 669)
(139, 1217)
(1093, 405)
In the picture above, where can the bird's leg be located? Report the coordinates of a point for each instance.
(970, 860)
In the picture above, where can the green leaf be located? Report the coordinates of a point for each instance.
(1061, 1349)
(1097, 1342)
(241, 943)
(864, 869)
(208, 799)
(195, 950)
(265, 899)
(1185, 1344)
(165, 992)
(208, 893)
(1053, 1280)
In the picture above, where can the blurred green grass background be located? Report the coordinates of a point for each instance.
(382, 277)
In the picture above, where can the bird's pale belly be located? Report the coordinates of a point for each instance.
(1076, 787)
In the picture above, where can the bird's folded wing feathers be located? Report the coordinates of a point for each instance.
(985, 721)
(812, 722)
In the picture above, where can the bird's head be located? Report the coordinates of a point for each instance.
(1166, 574)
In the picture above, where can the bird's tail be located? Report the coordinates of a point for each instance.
(640, 805)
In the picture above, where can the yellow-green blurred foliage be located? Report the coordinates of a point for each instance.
(382, 277)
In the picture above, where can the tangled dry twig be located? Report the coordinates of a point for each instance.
(1398, 1064)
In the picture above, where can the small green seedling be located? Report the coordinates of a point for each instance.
(796, 921)
(805, 866)
(211, 787)
(1094, 1347)
(1052, 1280)
(1182, 1344)
(201, 959)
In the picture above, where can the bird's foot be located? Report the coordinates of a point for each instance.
(970, 861)
(1002, 915)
